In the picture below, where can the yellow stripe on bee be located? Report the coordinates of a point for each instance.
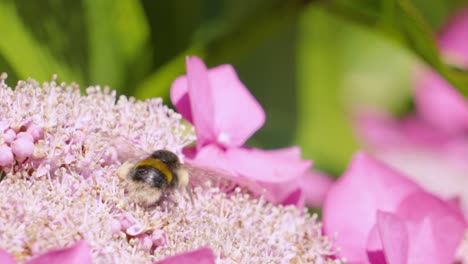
(157, 164)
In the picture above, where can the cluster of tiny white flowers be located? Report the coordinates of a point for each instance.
(67, 189)
(39, 215)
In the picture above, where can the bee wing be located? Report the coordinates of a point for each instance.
(126, 150)
(223, 179)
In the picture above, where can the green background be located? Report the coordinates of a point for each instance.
(309, 63)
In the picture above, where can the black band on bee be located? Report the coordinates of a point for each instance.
(159, 166)
(152, 178)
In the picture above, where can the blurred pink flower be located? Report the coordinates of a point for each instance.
(431, 144)
(438, 162)
(80, 253)
(225, 115)
(200, 256)
(6, 258)
(383, 217)
(437, 102)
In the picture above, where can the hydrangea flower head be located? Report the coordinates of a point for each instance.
(62, 198)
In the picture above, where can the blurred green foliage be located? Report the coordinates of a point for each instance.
(309, 63)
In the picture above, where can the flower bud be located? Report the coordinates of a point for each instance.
(23, 148)
(36, 132)
(9, 136)
(135, 230)
(6, 156)
(25, 135)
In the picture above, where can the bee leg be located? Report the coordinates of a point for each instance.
(183, 177)
(189, 191)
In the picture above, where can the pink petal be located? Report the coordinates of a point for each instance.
(202, 101)
(222, 109)
(374, 248)
(213, 156)
(438, 242)
(190, 152)
(212, 160)
(453, 39)
(180, 97)
(199, 256)
(80, 253)
(455, 202)
(438, 172)
(432, 158)
(6, 258)
(381, 131)
(278, 174)
(295, 198)
(238, 115)
(377, 129)
(267, 165)
(278, 171)
(440, 104)
(394, 236)
(352, 202)
(315, 185)
(423, 243)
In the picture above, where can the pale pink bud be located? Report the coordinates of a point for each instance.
(145, 242)
(9, 136)
(23, 148)
(159, 238)
(25, 135)
(6, 156)
(126, 221)
(135, 230)
(36, 132)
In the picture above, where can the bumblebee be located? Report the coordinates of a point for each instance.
(155, 177)
(152, 178)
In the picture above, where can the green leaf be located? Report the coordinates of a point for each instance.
(25, 54)
(324, 127)
(118, 38)
(131, 28)
(220, 42)
(106, 63)
(159, 82)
